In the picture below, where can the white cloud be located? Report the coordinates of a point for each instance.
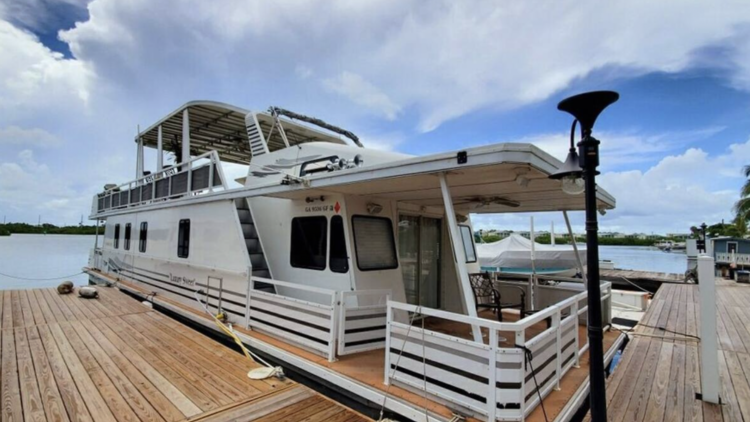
(441, 61)
(677, 192)
(359, 91)
(625, 149)
(14, 135)
(34, 79)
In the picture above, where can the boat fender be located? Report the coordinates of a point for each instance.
(88, 292)
(65, 287)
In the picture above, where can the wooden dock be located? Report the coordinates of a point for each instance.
(648, 280)
(65, 358)
(659, 374)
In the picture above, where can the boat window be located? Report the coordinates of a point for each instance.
(183, 239)
(316, 166)
(309, 242)
(142, 236)
(127, 237)
(468, 237)
(374, 243)
(338, 260)
(117, 236)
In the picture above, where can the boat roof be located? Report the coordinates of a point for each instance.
(500, 178)
(222, 127)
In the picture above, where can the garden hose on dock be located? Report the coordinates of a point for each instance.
(266, 370)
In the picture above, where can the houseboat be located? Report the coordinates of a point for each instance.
(354, 267)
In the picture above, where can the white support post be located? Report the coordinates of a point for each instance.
(139, 157)
(387, 366)
(332, 327)
(556, 318)
(185, 136)
(159, 151)
(575, 248)
(250, 287)
(458, 253)
(492, 379)
(709, 346)
(576, 350)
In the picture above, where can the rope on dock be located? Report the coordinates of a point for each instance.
(40, 279)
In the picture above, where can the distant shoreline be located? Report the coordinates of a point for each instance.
(23, 228)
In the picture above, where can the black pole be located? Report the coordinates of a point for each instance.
(589, 159)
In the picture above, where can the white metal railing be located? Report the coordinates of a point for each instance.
(733, 258)
(166, 184)
(485, 378)
(362, 320)
(310, 324)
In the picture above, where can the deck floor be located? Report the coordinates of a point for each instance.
(113, 359)
(659, 373)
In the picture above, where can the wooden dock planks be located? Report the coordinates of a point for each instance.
(64, 358)
(659, 374)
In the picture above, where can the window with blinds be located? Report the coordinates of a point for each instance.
(374, 243)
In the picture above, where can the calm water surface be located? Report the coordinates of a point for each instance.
(39, 256)
(644, 258)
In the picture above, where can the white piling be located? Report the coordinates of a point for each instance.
(709, 344)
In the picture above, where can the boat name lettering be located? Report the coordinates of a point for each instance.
(182, 280)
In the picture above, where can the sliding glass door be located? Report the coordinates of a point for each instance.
(419, 252)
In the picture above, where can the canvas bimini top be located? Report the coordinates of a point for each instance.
(237, 134)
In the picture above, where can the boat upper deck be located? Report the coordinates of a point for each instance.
(113, 359)
(659, 374)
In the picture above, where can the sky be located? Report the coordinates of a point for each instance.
(77, 77)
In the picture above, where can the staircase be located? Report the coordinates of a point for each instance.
(254, 247)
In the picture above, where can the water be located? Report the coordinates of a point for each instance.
(40, 256)
(644, 258)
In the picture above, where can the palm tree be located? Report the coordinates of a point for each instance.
(742, 207)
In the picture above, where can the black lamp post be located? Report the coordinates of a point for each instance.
(586, 108)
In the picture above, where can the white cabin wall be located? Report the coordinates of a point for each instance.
(217, 252)
(273, 218)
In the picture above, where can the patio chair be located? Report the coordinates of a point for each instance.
(487, 296)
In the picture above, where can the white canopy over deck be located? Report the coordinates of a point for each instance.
(220, 127)
(496, 179)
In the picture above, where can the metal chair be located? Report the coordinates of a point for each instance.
(487, 296)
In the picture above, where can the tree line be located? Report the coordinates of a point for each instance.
(23, 228)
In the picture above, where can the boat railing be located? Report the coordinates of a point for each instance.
(202, 174)
(490, 379)
(362, 320)
(310, 323)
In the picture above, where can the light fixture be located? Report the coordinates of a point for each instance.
(373, 208)
(521, 178)
(570, 174)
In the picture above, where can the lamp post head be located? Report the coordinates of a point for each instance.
(569, 168)
(586, 107)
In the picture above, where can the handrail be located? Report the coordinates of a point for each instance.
(164, 170)
(294, 285)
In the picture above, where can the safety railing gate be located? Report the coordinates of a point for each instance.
(362, 320)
